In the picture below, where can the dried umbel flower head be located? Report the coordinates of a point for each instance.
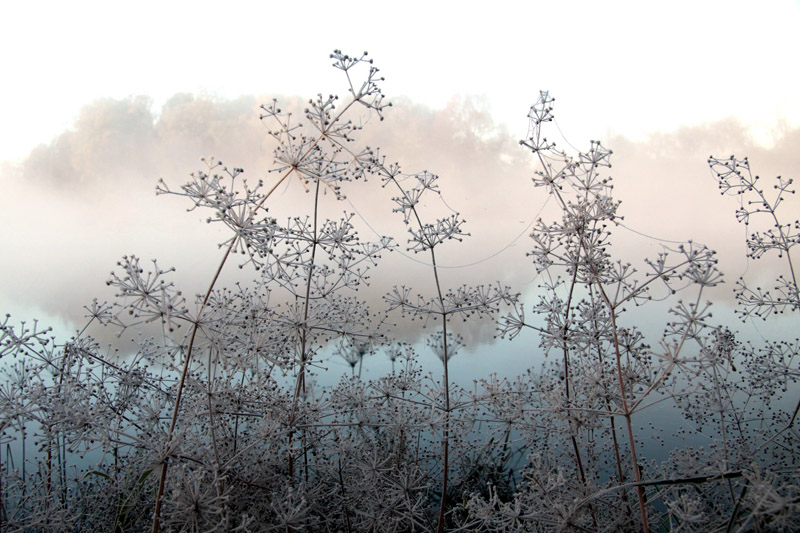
(734, 177)
(445, 347)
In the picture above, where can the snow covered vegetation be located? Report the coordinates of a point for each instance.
(215, 419)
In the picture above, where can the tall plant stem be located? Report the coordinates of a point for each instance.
(445, 355)
(2, 501)
(238, 413)
(344, 495)
(446, 378)
(179, 394)
(576, 449)
(300, 386)
(185, 371)
(49, 469)
(626, 411)
(612, 422)
(555, 191)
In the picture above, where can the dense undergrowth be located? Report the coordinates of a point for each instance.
(216, 422)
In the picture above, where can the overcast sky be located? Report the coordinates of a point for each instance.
(627, 67)
(90, 116)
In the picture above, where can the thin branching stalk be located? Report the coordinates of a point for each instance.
(179, 393)
(300, 385)
(626, 412)
(446, 377)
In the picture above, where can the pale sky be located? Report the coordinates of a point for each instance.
(621, 67)
(662, 83)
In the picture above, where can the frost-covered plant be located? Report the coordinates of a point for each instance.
(607, 371)
(215, 419)
(312, 259)
(773, 367)
(463, 302)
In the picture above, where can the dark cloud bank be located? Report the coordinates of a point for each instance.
(76, 205)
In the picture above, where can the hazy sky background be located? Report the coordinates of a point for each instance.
(99, 101)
